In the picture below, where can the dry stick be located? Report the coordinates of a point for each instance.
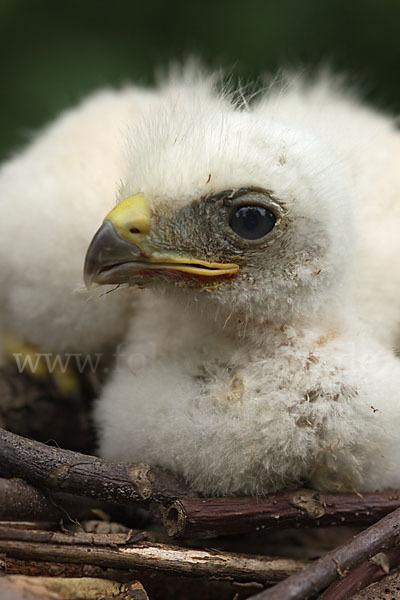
(61, 547)
(386, 589)
(19, 500)
(78, 538)
(210, 517)
(15, 566)
(155, 583)
(368, 572)
(337, 563)
(61, 588)
(84, 475)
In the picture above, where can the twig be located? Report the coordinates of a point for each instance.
(386, 589)
(337, 563)
(210, 517)
(18, 500)
(84, 475)
(76, 538)
(63, 588)
(158, 584)
(21, 501)
(368, 572)
(60, 547)
(43, 568)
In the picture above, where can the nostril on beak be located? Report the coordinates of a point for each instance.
(131, 218)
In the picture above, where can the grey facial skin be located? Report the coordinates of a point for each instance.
(202, 228)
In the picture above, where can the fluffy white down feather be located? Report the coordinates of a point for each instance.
(53, 195)
(286, 374)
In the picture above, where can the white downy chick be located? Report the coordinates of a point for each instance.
(262, 355)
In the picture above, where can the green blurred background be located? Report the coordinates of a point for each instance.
(53, 52)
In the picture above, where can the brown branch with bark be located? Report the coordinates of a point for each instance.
(362, 576)
(45, 568)
(211, 517)
(85, 475)
(386, 589)
(21, 501)
(337, 563)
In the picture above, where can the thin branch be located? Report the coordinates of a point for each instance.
(42, 568)
(62, 588)
(21, 501)
(337, 563)
(211, 517)
(386, 589)
(18, 500)
(359, 578)
(158, 584)
(77, 538)
(128, 554)
(84, 475)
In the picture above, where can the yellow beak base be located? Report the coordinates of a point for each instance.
(131, 218)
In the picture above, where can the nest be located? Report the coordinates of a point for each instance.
(74, 526)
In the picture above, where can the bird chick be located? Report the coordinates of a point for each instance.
(261, 353)
(266, 236)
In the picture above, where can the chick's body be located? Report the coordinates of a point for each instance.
(244, 416)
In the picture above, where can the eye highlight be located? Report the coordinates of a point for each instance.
(252, 222)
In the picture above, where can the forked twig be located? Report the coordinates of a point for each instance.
(338, 562)
(359, 578)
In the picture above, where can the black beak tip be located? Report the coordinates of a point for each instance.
(106, 249)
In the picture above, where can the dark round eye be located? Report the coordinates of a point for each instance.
(252, 222)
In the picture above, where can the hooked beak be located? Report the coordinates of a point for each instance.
(121, 252)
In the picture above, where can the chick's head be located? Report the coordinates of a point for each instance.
(230, 206)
